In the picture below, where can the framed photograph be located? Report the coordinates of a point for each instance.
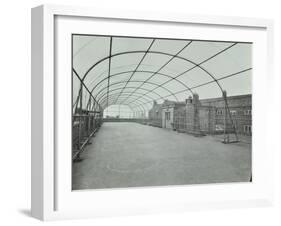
(135, 112)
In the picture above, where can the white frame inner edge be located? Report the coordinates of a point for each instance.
(51, 191)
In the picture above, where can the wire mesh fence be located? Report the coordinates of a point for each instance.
(84, 128)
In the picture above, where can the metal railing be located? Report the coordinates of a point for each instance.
(84, 127)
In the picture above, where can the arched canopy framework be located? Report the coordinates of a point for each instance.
(111, 70)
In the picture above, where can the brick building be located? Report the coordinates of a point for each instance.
(207, 116)
(155, 115)
(168, 113)
(240, 111)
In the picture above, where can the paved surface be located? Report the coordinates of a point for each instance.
(131, 154)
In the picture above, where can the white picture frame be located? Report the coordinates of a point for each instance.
(52, 197)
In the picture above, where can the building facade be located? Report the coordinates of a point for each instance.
(238, 114)
(207, 116)
(155, 115)
(168, 113)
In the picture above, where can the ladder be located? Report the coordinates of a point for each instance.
(226, 137)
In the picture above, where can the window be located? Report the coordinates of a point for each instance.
(247, 129)
(233, 112)
(219, 112)
(247, 112)
(167, 115)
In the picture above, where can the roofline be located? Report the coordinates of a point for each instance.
(228, 97)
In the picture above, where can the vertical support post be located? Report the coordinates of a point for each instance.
(89, 117)
(227, 112)
(119, 111)
(196, 126)
(225, 135)
(109, 67)
(80, 115)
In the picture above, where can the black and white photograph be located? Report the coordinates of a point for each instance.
(133, 113)
(152, 111)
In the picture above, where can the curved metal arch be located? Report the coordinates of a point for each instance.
(145, 106)
(151, 99)
(95, 107)
(118, 67)
(136, 104)
(154, 52)
(136, 107)
(125, 95)
(136, 81)
(127, 71)
(207, 83)
(140, 108)
(143, 71)
(139, 104)
(202, 68)
(135, 110)
(82, 84)
(131, 113)
(130, 92)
